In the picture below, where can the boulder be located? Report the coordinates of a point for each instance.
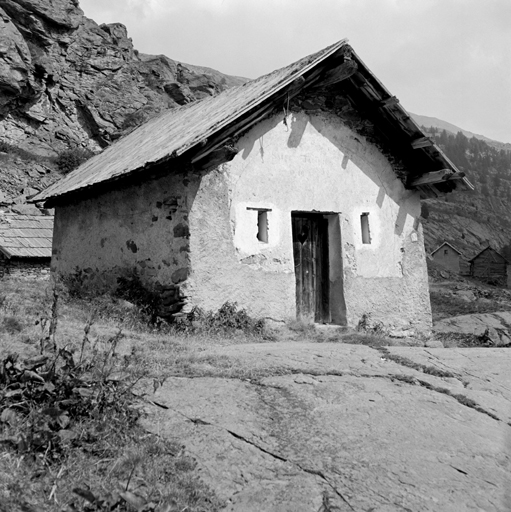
(433, 343)
(490, 327)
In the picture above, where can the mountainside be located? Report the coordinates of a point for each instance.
(472, 220)
(68, 84)
(433, 122)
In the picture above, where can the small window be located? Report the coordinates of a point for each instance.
(446, 251)
(364, 224)
(262, 226)
(262, 223)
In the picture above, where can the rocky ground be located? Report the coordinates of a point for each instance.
(314, 425)
(467, 312)
(334, 427)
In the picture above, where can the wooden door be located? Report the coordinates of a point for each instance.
(310, 251)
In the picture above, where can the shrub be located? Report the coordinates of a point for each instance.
(227, 320)
(71, 159)
(133, 120)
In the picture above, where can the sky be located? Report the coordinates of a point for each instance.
(449, 59)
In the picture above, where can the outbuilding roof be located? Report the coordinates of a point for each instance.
(197, 129)
(445, 243)
(492, 250)
(26, 236)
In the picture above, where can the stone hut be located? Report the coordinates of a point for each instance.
(25, 245)
(490, 266)
(448, 256)
(294, 195)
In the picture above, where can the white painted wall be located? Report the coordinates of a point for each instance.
(316, 163)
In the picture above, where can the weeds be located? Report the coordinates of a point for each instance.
(367, 325)
(228, 320)
(70, 437)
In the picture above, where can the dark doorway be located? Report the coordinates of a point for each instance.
(310, 251)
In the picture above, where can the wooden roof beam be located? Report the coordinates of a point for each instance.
(388, 102)
(422, 142)
(437, 177)
(338, 74)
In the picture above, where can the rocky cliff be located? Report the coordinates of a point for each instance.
(66, 82)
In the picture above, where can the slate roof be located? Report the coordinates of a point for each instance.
(178, 130)
(26, 236)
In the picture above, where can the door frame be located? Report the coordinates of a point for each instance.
(310, 257)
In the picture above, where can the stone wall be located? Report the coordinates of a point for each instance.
(137, 230)
(37, 268)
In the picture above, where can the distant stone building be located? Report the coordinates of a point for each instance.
(294, 195)
(448, 256)
(490, 266)
(25, 245)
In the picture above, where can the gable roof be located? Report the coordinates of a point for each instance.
(445, 243)
(489, 248)
(199, 128)
(26, 236)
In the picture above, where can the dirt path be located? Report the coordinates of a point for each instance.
(333, 427)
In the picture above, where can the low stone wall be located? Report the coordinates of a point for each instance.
(26, 268)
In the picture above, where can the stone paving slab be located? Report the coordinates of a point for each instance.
(344, 429)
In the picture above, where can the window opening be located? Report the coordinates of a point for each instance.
(262, 226)
(262, 223)
(364, 223)
(446, 251)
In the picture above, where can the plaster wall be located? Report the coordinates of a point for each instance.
(311, 163)
(141, 228)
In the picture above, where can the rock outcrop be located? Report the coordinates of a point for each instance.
(331, 426)
(67, 82)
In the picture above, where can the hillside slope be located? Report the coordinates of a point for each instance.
(472, 220)
(433, 122)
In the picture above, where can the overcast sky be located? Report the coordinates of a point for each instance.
(449, 59)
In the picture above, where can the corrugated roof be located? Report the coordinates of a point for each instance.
(26, 236)
(179, 129)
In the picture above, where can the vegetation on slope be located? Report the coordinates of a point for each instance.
(472, 220)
